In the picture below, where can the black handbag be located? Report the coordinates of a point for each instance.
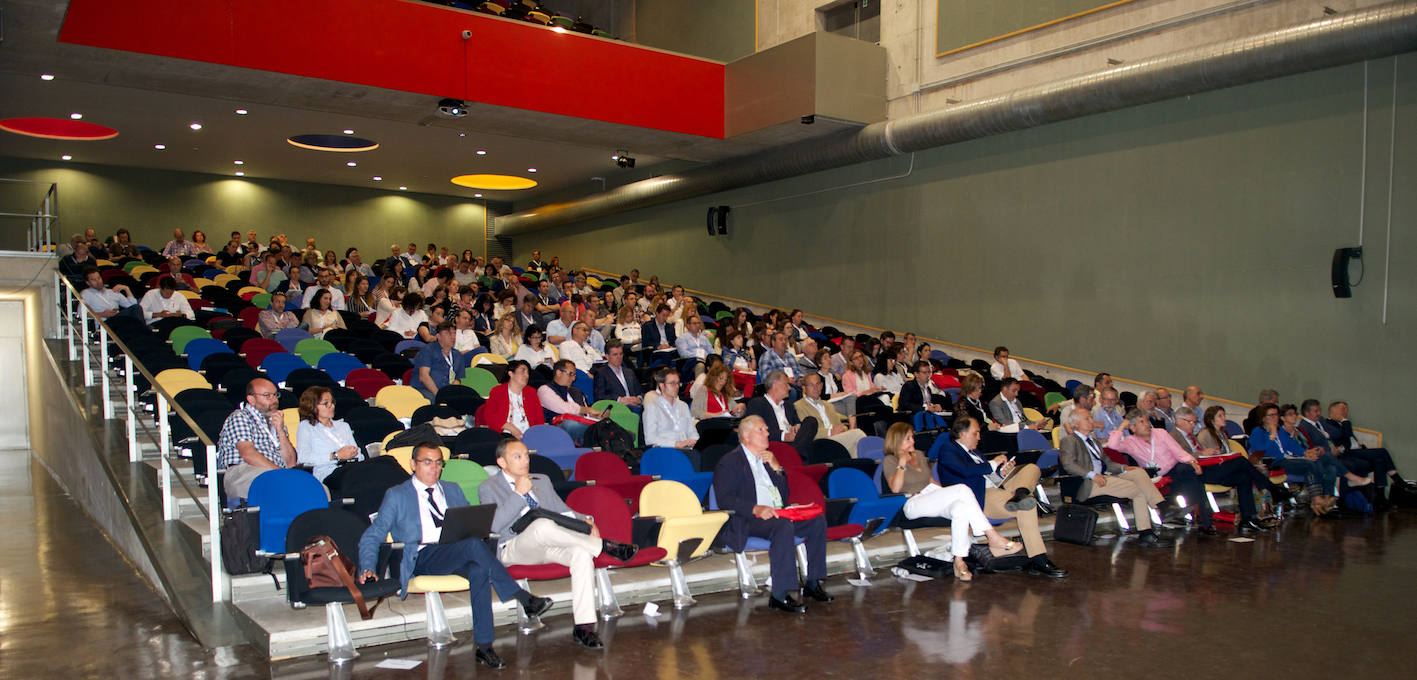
(1075, 524)
(926, 566)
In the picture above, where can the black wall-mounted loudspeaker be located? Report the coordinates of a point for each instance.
(718, 217)
(1342, 287)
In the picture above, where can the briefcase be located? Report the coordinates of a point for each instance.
(1075, 524)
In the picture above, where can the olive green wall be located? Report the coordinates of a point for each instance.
(151, 203)
(1178, 243)
(966, 22)
(723, 30)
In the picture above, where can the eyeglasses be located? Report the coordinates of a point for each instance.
(263, 395)
(434, 462)
(327, 402)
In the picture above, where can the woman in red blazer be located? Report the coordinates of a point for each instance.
(513, 416)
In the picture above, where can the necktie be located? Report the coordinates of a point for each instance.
(433, 507)
(531, 501)
(1092, 448)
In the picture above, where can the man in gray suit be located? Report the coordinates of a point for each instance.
(1081, 456)
(412, 513)
(1006, 408)
(516, 491)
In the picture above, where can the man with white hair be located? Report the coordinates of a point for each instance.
(576, 350)
(1082, 457)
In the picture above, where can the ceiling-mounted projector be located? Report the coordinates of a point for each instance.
(451, 108)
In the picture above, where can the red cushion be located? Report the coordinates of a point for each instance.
(539, 572)
(844, 531)
(643, 557)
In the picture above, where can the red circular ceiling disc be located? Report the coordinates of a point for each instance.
(58, 128)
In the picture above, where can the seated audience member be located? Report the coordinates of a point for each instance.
(526, 314)
(532, 351)
(832, 390)
(325, 280)
(387, 305)
(96, 247)
(263, 275)
(439, 364)
(694, 346)
(1162, 408)
(667, 420)
(906, 471)
(1107, 413)
(1147, 404)
(355, 263)
(1252, 419)
(715, 396)
(657, 334)
(253, 439)
(1001, 491)
(735, 354)
(122, 247)
(199, 240)
(920, 393)
(273, 320)
(179, 246)
(841, 359)
(505, 341)
(174, 266)
(1006, 409)
(164, 302)
(778, 359)
(1191, 399)
(578, 350)
(750, 482)
(1340, 434)
(971, 390)
(321, 317)
(513, 407)
(558, 330)
(74, 264)
(1238, 472)
(323, 442)
(614, 380)
(230, 255)
(536, 265)
(885, 376)
(1004, 367)
(107, 302)
(856, 380)
(437, 314)
(561, 397)
(465, 338)
(781, 418)
(1082, 457)
(516, 491)
(484, 316)
(796, 328)
(360, 300)
(1276, 438)
(412, 514)
(409, 315)
(627, 326)
(1084, 397)
(830, 425)
(548, 302)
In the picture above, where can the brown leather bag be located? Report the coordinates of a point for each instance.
(325, 567)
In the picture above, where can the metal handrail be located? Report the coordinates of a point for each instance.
(165, 402)
(48, 214)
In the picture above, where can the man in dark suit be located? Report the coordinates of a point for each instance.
(614, 380)
(750, 482)
(782, 421)
(413, 513)
(921, 394)
(1006, 408)
(657, 336)
(1339, 431)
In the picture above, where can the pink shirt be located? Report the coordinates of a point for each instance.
(554, 403)
(1162, 451)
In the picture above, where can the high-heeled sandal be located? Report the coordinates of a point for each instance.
(1009, 548)
(962, 573)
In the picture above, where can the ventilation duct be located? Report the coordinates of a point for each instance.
(1371, 33)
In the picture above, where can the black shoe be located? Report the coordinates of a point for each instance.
(1280, 494)
(1252, 525)
(536, 606)
(787, 604)
(1045, 568)
(1208, 530)
(1149, 539)
(586, 637)
(620, 551)
(1022, 500)
(819, 593)
(489, 658)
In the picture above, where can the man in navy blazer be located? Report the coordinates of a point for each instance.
(413, 513)
(750, 482)
(614, 380)
(960, 462)
(657, 335)
(799, 433)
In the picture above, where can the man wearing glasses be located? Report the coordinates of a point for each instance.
(412, 513)
(253, 439)
(1106, 413)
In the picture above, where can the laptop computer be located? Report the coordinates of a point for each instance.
(469, 521)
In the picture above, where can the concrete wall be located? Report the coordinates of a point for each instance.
(1180, 243)
(714, 29)
(151, 203)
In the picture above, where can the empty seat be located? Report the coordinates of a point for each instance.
(608, 471)
(400, 400)
(281, 496)
(672, 464)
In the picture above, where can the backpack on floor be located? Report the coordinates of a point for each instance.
(238, 546)
(1075, 524)
(608, 435)
(981, 560)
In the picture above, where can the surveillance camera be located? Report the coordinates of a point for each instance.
(452, 108)
(467, 35)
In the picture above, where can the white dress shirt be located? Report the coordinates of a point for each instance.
(1015, 371)
(336, 297)
(431, 533)
(668, 424)
(153, 302)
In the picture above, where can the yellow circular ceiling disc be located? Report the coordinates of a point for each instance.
(494, 182)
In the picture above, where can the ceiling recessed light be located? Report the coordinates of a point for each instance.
(65, 157)
(46, 77)
(240, 162)
(241, 112)
(76, 116)
(403, 188)
(196, 126)
(378, 178)
(351, 164)
(159, 147)
(531, 169)
(481, 152)
(477, 195)
(240, 174)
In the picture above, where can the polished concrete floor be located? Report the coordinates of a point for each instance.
(1316, 600)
